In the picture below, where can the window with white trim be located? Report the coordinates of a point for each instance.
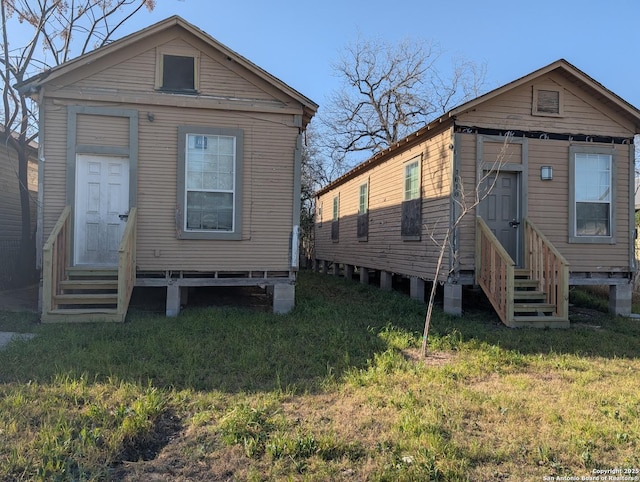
(210, 166)
(591, 213)
(412, 180)
(363, 198)
(411, 221)
(363, 212)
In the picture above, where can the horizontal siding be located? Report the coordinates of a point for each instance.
(385, 249)
(138, 74)
(583, 114)
(549, 208)
(269, 147)
(54, 141)
(10, 205)
(102, 130)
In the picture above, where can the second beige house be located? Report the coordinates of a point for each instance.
(529, 188)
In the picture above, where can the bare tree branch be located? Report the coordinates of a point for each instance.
(387, 92)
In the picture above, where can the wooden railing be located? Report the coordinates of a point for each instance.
(127, 264)
(494, 271)
(54, 260)
(549, 267)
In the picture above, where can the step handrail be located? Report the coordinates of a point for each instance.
(547, 265)
(54, 260)
(494, 271)
(127, 264)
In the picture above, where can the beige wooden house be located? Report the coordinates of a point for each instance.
(167, 160)
(530, 187)
(11, 208)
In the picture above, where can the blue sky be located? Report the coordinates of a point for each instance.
(298, 40)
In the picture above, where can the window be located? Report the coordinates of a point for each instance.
(591, 214)
(335, 226)
(411, 180)
(363, 212)
(363, 203)
(411, 223)
(547, 101)
(210, 167)
(177, 71)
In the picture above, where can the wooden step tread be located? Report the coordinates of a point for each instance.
(87, 299)
(529, 295)
(86, 284)
(533, 307)
(81, 272)
(525, 283)
(84, 311)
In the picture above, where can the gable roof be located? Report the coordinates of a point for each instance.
(561, 66)
(33, 84)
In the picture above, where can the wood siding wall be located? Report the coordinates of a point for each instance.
(385, 249)
(268, 172)
(10, 207)
(546, 203)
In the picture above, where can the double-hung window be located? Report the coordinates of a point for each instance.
(592, 210)
(363, 212)
(411, 224)
(335, 220)
(209, 190)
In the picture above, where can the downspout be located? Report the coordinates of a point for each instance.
(297, 192)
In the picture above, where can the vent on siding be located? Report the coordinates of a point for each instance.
(547, 102)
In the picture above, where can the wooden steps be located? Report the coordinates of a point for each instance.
(86, 295)
(529, 304)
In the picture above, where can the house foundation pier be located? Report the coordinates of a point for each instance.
(416, 288)
(620, 299)
(453, 299)
(364, 275)
(386, 280)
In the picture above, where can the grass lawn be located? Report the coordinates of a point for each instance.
(332, 391)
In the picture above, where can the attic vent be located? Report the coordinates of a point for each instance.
(547, 102)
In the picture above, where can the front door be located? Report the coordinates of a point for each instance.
(101, 205)
(501, 210)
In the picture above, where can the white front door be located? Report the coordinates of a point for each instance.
(102, 196)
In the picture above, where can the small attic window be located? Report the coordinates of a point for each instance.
(177, 72)
(547, 102)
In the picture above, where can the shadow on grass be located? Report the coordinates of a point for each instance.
(334, 328)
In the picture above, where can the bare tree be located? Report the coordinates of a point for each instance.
(388, 91)
(314, 176)
(55, 31)
(464, 203)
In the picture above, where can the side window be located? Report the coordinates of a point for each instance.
(592, 192)
(411, 224)
(335, 220)
(363, 212)
(209, 183)
(177, 72)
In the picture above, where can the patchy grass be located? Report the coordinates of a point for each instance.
(332, 391)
